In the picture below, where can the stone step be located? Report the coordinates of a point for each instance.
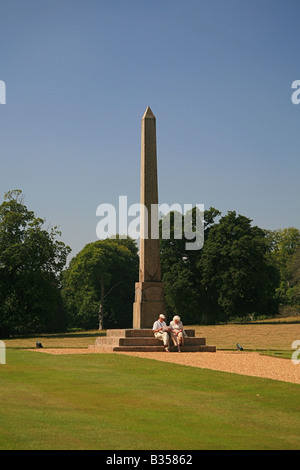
(102, 347)
(133, 333)
(199, 348)
(108, 340)
(110, 348)
(140, 341)
(116, 341)
(156, 342)
(119, 333)
(139, 348)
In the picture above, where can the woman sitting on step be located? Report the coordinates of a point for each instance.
(177, 332)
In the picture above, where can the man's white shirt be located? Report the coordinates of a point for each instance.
(158, 324)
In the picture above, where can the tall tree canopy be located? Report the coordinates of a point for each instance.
(31, 260)
(180, 270)
(236, 273)
(284, 245)
(293, 273)
(98, 286)
(230, 276)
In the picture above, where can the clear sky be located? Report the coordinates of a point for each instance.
(217, 74)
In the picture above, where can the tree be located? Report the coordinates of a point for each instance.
(236, 273)
(31, 260)
(180, 271)
(98, 286)
(283, 244)
(230, 276)
(293, 273)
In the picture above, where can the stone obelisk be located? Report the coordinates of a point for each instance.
(149, 291)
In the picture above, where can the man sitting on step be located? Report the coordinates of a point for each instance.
(161, 331)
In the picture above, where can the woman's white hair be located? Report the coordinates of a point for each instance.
(176, 318)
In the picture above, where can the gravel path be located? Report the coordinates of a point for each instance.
(237, 362)
(244, 363)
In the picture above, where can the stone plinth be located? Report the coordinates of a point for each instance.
(143, 340)
(149, 303)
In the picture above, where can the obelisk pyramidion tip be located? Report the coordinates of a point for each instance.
(148, 114)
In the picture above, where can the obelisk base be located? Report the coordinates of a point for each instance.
(149, 303)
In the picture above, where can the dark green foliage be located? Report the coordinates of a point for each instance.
(293, 275)
(101, 276)
(235, 270)
(284, 254)
(31, 260)
(241, 270)
(230, 276)
(180, 271)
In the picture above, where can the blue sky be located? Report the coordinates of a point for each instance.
(216, 73)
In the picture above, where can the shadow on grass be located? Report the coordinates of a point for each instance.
(78, 335)
(258, 322)
(72, 335)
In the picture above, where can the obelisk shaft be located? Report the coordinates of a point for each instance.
(149, 291)
(149, 242)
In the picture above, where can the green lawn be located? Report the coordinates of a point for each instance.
(115, 402)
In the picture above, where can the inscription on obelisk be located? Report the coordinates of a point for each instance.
(149, 291)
